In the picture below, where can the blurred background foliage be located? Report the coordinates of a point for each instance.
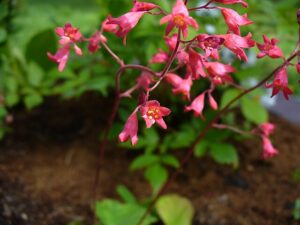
(27, 76)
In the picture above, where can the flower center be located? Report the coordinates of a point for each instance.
(213, 42)
(179, 20)
(268, 47)
(153, 113)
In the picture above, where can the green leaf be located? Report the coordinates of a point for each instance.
(227, 96)
(170, 160)
(253, 110)
(3, 112)
(3, 35)
(12, 99)
(126, 194)
(296, 211)
(35, 74)
(76, 223)
(156, 176)
(200, 148)
(11, 84)
(32, 100)
(224, 154)
(144, 161)
(175, 210)
(111, 212)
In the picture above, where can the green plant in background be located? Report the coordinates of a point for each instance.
(296, 211)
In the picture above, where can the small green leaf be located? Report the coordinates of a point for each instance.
(296, 211)
(32, 100)
(170, 160)
(126, 194)
(224, 154)
(35, 74)
(12, 99)
(156, 176)
(3, 35)
(200, 148)
(227, 96)
(3, 112)
(253, 110)
(11, 84)
(144, 161)
(175, 210)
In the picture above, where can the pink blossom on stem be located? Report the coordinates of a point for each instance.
(182, 57)
(125, 23)
(219, 72)
(130, 130)
(298, 67)
(212, 102)
(197, 105)
(68, 34)
(142, 6)
(171, 41)
(269, 48)
(152, 112)
(112, 28)
(95, 40)
(280, 83)
(268, 149)
(234, 20)
(210, 44)
(179, 18)
(229, 2)
(237, 44)
(196, 64)
(267, 128)
(60, 57)
(180, 85)
(144, 80)
(160, 57)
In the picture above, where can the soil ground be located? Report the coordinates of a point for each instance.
(48, 163)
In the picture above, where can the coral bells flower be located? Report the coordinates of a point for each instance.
(152, 112)
(112, 28)
(268, 149)
(219, 72)
(196, 64)
(130, 129)
(144, 80)
(95, 40)
(210, 44)
(68, 34)
(125, 23)
(171, 41)
(142, 6)
(180, 86)
(197, 105)
(236, 44)
(229, 2)
(280, 83)
(267, 128)
(298, 67)
(160, 57)
(179, 18)
(234, 20)
(61, 57)
(269, 48)
(212, 102)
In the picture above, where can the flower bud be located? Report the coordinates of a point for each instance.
(298, 16)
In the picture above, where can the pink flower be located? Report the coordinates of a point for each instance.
(68, 34)
(179, 18)
(142, 6)
(152, 112)
(196, 64)
(130, 130)
(212, 102)
(160, 57)
(144, 80)
(237, 43)
(298, 67)
(95, 40)
(171, 41)
(219, 72)
(180, 86)
(112, 28)
(228, 2)
(125, 23)
(182, 57)
(61, 57)
(234, 20)
(197, 105)
(267, 128)
(280, 83)
(269, 48)
(268, 149)
(210, 44)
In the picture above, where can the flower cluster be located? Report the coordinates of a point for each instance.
(198, 59)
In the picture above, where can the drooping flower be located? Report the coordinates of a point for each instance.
(152, 112)
(212, 102)
(180, 85)
(68, 34)
(130, 130)
(210, 44)
(219, 73)
(179, 18)
(171, 41)
(95, 40)
(112, 28)
(267, 128)
(229, 2)
(144, 80)
(196, 63)
(142, 6)
(280, 83)
(268, 149)
(160, 57)
(125, 23)
(237, 44)
(234, 20)
(298, 67)
(197, 105)
(182, 57)
(269, 48)
(60, 57)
